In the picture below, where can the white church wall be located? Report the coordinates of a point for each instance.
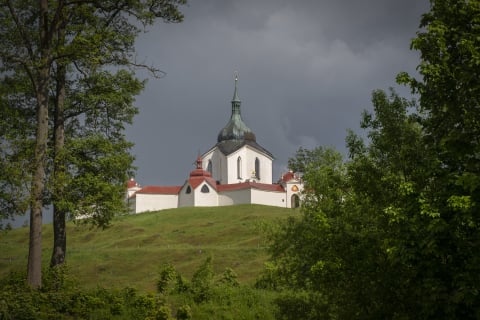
(228, 198)
(209, 199)
(186, 199)
(232, 164)
(269, 198)
(265, 165)
(154, 202)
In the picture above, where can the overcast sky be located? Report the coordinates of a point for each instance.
(306, 71)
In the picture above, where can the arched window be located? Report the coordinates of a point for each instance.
(188, 190)
(257, 168)
(205, 189)
(239, 168)
(209, 166)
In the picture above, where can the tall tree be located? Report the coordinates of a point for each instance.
(340, 250)
(408, 232)
(449, 90)
(51, 43)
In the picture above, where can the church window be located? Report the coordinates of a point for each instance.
(209, 166)
(257, 168)
(239, 168)
(189, 190)
(205, 189)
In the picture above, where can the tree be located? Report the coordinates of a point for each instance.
(403, 243)
(340, 250)
(448, 259)
(51, 44)
(16, 148)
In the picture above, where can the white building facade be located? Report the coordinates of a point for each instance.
(236, 170)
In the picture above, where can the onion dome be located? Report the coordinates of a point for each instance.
(236, 129)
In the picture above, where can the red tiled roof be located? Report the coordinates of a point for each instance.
(160, 190)
(250, 185)
(195, 181)
(288, 176)
(131, 183)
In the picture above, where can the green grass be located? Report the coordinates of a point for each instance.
(131, 251)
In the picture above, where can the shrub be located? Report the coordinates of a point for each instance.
(167, 275)
(184, 313)
(202, 282)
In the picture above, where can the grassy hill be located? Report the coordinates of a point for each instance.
(130, 252)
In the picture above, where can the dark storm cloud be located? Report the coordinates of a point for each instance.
(306, 71)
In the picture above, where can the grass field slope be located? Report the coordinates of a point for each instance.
(131, 251)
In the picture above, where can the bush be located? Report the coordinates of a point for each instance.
(184, 313)
(167, 275)
(202, 282)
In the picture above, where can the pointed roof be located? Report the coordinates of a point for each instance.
(236, 129)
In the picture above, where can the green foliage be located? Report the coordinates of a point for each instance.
(213, 296)
(167, 275)
(370, 243)
(202, 282)
(229, 278)
(19, 301)
(184, 313)
(302, 305)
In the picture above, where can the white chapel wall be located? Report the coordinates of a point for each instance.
(154, 202)
(265, 165)
(209, 199)
(227, 198)
(269, 198)
(186, 199)
(232, 164)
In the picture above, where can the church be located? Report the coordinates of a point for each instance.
(236, 170)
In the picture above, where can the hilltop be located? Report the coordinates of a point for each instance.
(131, 251)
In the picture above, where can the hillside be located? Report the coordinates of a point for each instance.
(130, 252)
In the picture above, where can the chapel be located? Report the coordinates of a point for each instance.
(236, 170)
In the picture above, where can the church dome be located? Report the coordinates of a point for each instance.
(236, 129)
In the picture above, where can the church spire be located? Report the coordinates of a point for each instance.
(236, 100)
(235, 94)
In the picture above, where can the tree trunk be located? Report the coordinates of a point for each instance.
(59, 213)
(34, 269)
(34, 266)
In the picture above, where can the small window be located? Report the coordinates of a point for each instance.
(239, 168)
(189, 190)
(257, 168)
(205, 189)
(209, 166)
